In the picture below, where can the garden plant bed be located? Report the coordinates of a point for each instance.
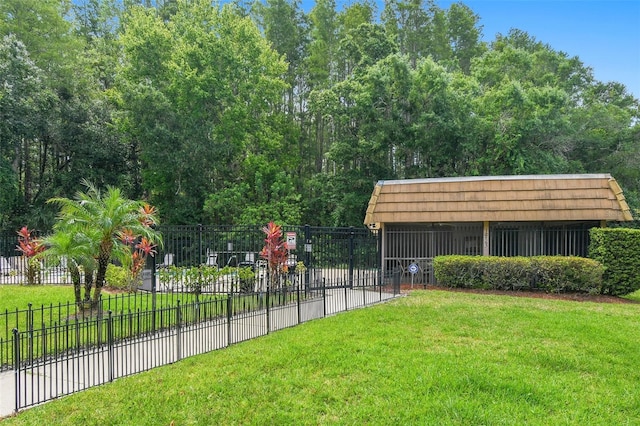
(578, 297)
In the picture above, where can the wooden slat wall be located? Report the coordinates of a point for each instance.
(501, 198)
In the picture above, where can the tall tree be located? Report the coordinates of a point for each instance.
(409, 21)
(71, 130)
(322, 48)
(25, 104)
(286, 28)
(47, 35)
(201, 91)
(349, 20)
(464, 35)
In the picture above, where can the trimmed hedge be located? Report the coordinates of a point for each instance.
(618, 249)
(554, 274)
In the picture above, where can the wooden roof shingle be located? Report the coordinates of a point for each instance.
(576, 197)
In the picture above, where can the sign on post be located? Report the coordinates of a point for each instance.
(413, 270)
(291, 240)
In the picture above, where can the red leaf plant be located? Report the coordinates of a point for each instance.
(127, 237)
(145, 247)
(275, 250)
(30, 247)
(147, 214)
(139, 251)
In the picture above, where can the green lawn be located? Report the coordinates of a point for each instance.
(11, 296)
(633, 296)
(434, 357)
(19, 296)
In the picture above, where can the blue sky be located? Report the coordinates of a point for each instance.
(604, 34)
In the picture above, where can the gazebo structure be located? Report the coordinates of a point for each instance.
(489, 215)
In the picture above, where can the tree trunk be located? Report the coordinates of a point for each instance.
(88, 283)
(75, 279)
(103, 262)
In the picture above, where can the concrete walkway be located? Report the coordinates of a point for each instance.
(95, 366)
(8, 392)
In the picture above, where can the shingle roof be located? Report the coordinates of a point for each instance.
(575, 197)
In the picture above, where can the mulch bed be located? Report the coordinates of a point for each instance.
(577, 297)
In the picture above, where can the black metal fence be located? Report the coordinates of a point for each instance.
(56, 350)
(404, 245)
(328, 254)
(52, 360)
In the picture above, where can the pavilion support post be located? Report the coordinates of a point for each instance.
(485, 238)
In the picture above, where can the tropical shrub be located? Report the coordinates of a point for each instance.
(196, 278)
(117, 277)
(110, 224)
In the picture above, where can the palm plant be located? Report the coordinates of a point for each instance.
(104, 218)
(76, 249)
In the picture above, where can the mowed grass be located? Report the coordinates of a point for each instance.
(633, 296)
(434, 357)
(19, 296)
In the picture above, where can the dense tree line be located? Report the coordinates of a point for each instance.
(249, 112)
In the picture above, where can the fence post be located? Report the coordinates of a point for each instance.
(324, 297)
(346, 300)
(30, 330)
(364, 280)
(110, 343)
(298, 300)
(380, 274)
(153, 293)
(16, 366)
(199, 244)
(229, 316)
(351, 244)
(178, 331)
(307, 255)
(268, 302)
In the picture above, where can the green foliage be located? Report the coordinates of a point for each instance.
(506, 273)
(459, 271)
(618, 249)
(553, 274)
(101, 219)
(117, 277)
(559, 274)
(266, 193)
(195, 278)
(212, 77)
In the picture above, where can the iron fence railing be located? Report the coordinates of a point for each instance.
(218, 246)
(406, 245)
(69, 355)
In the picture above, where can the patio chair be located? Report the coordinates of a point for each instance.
(167, 261)
(212, 259)
(233, 261)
